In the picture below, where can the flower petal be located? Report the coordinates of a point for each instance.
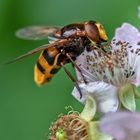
(137, 81)
(104, 94)
(122, 125)
(128, 33)
(84, 61)
(129, 36)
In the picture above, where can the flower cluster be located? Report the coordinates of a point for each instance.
(112, 79)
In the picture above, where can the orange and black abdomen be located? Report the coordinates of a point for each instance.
(46, 66)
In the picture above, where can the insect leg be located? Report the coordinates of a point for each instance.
(73, 79)
(77, 67)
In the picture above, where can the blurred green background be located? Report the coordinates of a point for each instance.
(26, 111)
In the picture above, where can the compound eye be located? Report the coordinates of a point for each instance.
(102, 32)
(91, 31)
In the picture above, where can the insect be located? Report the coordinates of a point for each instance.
(65, 45)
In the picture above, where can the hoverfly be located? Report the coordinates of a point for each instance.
(65, 45)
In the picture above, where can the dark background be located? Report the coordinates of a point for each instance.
(26, 111)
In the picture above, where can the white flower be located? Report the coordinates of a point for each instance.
(104, 95)
(121, 125)
(112, 70)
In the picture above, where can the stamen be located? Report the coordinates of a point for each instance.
(116, 67)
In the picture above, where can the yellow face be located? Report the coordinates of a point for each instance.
(102, 32)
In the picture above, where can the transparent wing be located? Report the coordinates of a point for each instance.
(28, 53)
(52, 39)
(41, 48)
(36, 32)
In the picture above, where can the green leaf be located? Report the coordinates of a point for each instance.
(94, 132)
(89, 110)
(127, 97)
(137, 94)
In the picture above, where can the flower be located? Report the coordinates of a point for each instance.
(122, 125)
(78, 126)
(116, 70)
(70, 127)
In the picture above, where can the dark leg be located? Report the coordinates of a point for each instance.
(77, 67)
(73, 79)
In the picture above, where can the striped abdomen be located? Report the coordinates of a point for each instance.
(46, 66)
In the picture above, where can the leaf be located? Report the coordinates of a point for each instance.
(89, 110)
(137, 94)
(127, 97)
